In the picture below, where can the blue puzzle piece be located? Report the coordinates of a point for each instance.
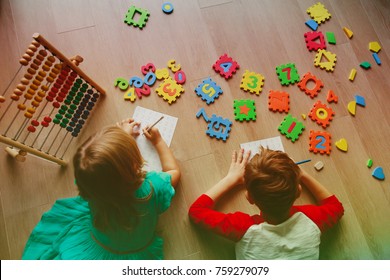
(360, 100)
(226, 66)
(219, 127)
(312, 24)
(378, 173)
(208, 90)
(376, 58)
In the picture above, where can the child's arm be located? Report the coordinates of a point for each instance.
(316, 188)
(167, 159)
(234, 177)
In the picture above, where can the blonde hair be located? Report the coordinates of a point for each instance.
(272, 180)
(108, 171)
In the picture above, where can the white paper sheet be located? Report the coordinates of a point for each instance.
(166, 127)
(273, 143)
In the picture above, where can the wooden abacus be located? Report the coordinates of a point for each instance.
(58, 99)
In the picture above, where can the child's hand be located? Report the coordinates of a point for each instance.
(130, 126)
(237, 167)
(153, 135)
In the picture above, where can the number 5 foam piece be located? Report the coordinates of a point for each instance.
(208, 90)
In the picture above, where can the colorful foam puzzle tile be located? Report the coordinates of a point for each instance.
(167, 7)
(330, 37)
(320, 142)
(319, 13)
(360, 100)
(365, 64)
(219, 128)
(122, 83)
(378, 173)
(376, 58)
(169, 90)
(303, 85)
(252, 82)
(352, 108)
(291, 128)
(330, 60)
(332, 97)
(374, 47)
(226, 66)
(348, 32)
(312, 24)
(130, 95)
(278, 101)
(208, 90)
(321, 114)
(315, 40)
(142, 15)
(342, 144)
(352, 74)
(244, 110)
(287, 74)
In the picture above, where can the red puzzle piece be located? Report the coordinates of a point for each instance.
(315, 40)
(226, 66)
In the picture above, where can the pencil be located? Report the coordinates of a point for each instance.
(303, 161)
(156, 122)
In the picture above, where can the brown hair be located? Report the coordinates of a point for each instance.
(108, 170)
(272, 180)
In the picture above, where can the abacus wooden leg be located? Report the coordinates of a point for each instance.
(19, 155)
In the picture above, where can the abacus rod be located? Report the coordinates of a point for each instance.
(5, 133)
(59, 146)
(69, 63)
(32, 151)
(67, 147)
(54, 140)
(47, 137)
(24, 124)
(6, 110)
(13, 78)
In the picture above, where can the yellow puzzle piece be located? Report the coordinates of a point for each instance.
(330, 62)
(319, 13)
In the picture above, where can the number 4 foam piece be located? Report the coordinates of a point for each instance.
(360, 100)
(226, 66)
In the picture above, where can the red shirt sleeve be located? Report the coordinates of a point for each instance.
(325, 215)
(232, 225)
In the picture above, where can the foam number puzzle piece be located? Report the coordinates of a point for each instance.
(145, 69)
(287, 74)
(130, 95)
(319, 13)
(374, 47)
(304, 82)
(169, 90)
(252, 82)
(226, 66)
(202, 113)
(315, 40)
(378, 173)
(330, 58)
(167, 7)
(352, 108)
(180, 77)
(331, 38)
(342, 144)
(278, 101)
(173, 66)
(312, 24)
(121, 83)
(332, 97)
(136, 82)
(144, 90)
(360, 100)
(219, 127)
(244, 110)
(208, 90)
(320, 142)
(162, 73)
(348, 32)
(142, 18)
(150, 79)
(321, 114)
(291, 128)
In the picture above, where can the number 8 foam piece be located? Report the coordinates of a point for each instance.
(320, 142)
(208, 90)
(252, 82)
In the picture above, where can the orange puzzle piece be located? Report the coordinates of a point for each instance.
(278, 101)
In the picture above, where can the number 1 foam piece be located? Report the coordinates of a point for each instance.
(226, 66)
(252, 82)
(319, 13)
(315, 40)
(244, 110)
(287, 74)
(330, 62)
(208, 90)
(319, 142)
(142, 18)
(291, 128)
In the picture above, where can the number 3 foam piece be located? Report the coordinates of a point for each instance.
(287, 74)
(291, 128)
(320, 142)
(208, 90)
(169, 90)
(252, 82)
(226, 66)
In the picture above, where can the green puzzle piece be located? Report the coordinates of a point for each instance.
(244, 110)
(291, 127)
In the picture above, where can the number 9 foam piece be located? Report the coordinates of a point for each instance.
(291, 128)
(319, 142)
(287, 74)
(252, 82)
(226, 66)
(208, 90)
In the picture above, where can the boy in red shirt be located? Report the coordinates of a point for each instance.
(281, 230)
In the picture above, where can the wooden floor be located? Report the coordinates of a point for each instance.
(259, 35)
